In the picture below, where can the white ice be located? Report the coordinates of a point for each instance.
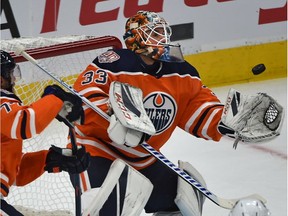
(258, 168)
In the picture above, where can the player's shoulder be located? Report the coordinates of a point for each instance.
(4, 94)
(183, 68)
(117, 60)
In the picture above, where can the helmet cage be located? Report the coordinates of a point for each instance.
(149, 34)
(157, 34)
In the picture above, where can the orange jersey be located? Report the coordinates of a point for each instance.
(19, 122)
(173, 96)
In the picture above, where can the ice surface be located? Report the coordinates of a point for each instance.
(258, 168)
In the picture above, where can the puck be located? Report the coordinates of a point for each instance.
(258, 69)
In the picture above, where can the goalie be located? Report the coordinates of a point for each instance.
(173, 96)
(19, 122)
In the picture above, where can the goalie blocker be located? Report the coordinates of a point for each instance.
(129, 124)
(254, 118)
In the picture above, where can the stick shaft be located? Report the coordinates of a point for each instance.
(75, 176)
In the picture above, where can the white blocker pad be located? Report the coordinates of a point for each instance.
(138, 190)
(188, 200)
(127, 104)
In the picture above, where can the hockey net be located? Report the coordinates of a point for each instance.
(66, 57)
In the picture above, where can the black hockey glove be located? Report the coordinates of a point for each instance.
(62, 159)
(72, 109)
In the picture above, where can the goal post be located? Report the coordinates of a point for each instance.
(66, 57)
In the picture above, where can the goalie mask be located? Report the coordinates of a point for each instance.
(249, 207)
(10, 71)
(149, 34)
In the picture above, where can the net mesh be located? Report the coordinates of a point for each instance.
(65, 57)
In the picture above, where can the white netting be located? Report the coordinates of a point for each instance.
(32, 42)
(50, 192)
(32, 212)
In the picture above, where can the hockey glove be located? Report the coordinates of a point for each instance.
(254, 118)
(72, 108)
(62, 159)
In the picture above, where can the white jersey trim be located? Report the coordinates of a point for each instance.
(205, 128)
(130, 150)
(4, 177)
(15, 124)
(91, 89)
(197, 113)
(32, 122)
(108, 151)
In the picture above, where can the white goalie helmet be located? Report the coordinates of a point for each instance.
(249, 207)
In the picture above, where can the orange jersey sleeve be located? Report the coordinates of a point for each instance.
(31, 167)
(203, 114)
(22, 122)
(19, 122)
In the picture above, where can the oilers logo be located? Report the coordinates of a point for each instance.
(161, 109)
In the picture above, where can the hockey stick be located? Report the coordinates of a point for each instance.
(224, 203)
(75, 176)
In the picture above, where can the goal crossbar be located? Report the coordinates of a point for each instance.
(71, 47)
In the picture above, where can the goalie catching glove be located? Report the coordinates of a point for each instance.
(62, 159)
(254, 118)
(72, 108)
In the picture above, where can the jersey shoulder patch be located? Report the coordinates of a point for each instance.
(118, 60)
(108, 57)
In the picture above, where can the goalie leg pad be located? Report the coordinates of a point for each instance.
(131, 189)
(189, 200)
